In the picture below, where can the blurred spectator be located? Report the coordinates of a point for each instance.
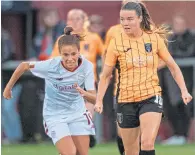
(11, 124)
(47, 35)
(182, 45)
(96, 25)
(7, 48)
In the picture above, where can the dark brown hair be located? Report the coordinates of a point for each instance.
(69, 39)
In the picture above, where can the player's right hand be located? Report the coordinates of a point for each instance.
(98, 107)
(7, 94)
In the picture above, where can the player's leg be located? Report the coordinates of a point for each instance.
(149, 130)
(119, 141)
(90, 108)
(130, 138)
(80, 130)
(60, 134)
(128, 122)
(82, 144)
(66, 146)
(150, 118)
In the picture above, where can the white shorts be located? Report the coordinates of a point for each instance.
(69, 126)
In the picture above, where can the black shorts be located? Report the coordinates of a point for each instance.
(128, 113)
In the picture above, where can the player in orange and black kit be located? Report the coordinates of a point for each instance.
(90, 48)
(114, 30)
(136, 53)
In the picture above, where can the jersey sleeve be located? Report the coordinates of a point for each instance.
(162, 49)
(89, 79)
(40, 68)
(111, 54)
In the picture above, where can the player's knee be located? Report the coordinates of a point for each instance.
(147, 144)
(131, 151)
(70, 152)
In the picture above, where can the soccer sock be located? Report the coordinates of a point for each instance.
(92, 142)
(151, 152)
(120, 145)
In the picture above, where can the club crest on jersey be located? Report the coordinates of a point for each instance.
(148, 47)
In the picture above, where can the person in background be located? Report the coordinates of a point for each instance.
(181, 45)
(52, 27)
(11, 123)
(96, 25)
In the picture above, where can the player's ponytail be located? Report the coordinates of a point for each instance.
(146, 23)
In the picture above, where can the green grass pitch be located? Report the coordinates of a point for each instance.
(102, 149)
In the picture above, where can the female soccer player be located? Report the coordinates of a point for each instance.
(66, 119)
(90, 48)
(135, 52)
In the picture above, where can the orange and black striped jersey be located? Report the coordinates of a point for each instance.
(114, 30)
(137, 62)
(90, 48)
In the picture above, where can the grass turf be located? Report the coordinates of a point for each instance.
(102, 149)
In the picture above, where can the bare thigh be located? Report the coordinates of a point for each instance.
(130, 137)
(82, 144)
(118, 130)
(65, 146)
(149, 125)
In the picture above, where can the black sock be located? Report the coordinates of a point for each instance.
(120, 145)
(92, 141)
(151, 152)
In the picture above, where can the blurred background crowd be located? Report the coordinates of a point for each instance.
(29, 31)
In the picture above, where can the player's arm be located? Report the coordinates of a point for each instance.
(89, 95)
(110, 62)
(89, 84)
(175, 71)
(161, 64)
(104, 81)
(38, 68)
(24, 66)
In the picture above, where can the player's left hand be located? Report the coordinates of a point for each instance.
(186, 97)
